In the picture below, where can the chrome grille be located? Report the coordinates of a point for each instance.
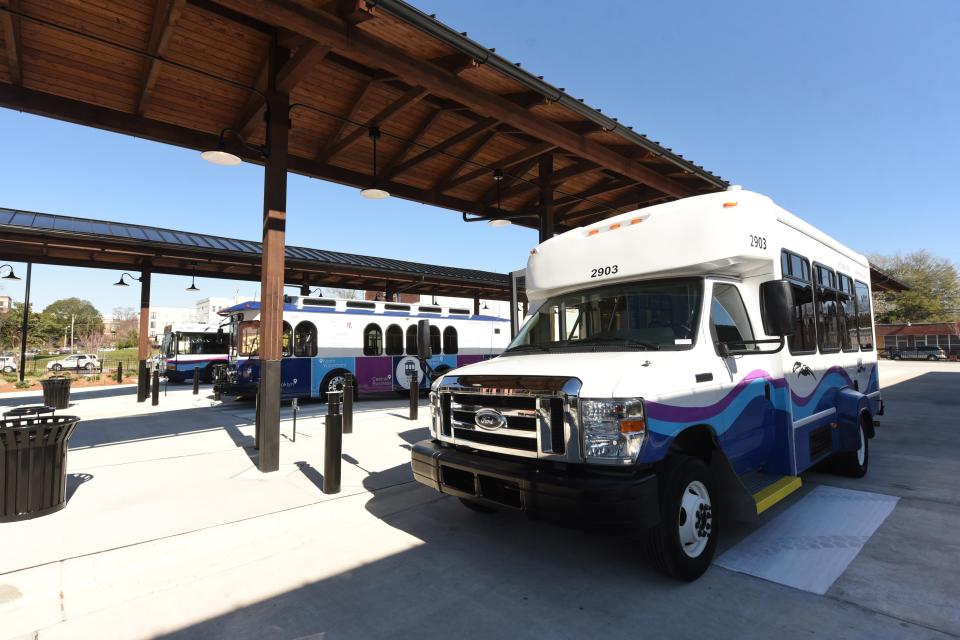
(537, 416)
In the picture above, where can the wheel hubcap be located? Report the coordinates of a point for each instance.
(695, 520)
(336, 383)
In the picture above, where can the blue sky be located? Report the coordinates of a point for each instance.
(845, 113)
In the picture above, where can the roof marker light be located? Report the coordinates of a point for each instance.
(615, 225)
(727, 205)
(636, 221)
(593, 232)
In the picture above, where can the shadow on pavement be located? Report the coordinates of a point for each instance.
(74, 480)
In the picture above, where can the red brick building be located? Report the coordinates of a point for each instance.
(943, 334)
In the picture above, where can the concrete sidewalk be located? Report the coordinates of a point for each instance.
(171, 531)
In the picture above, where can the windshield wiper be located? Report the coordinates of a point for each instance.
(650, 346)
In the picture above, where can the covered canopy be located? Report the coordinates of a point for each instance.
(450, 112)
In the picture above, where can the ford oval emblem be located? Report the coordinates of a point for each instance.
(490, 419)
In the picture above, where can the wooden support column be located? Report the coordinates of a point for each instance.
(143, 337)
(25, 328)
(476, 305)
(546, 196)
(272, 266)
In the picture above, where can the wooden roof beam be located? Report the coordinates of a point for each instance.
(506, 163)
(484, 125)
(455, 63)
(526, 99)
(395, 108)
(644, 196)
(353, 11)
(368, 49)
(464, 160)
(165, 16)
(559, 177)
(413, 142)
(570, 202)
(10, 27)
(292, 73)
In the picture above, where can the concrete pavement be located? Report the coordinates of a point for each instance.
(172, 532)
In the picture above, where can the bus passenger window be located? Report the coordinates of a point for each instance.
(828, 323)
(864, 316)
(412, 340)
(286, 344)
(848, 314)
(797, 270)
(450, 340)
(435, 346)
(729, 321)
(372, 340)
(305, 340)
(394, 340)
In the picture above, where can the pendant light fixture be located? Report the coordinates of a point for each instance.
(122, 283)
(373, 192)
(11, 275)
(498, 221)
(220, 156)
(193, 280)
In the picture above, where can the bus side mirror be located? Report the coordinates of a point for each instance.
(424, 350)
(776, 308)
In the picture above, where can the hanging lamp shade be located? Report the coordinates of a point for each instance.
(374, 192)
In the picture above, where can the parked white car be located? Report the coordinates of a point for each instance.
(78, 361)
(8, 364)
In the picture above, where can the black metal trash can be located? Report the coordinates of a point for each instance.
(33, 465)
(56, 392)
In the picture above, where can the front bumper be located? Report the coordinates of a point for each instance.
(572, 496)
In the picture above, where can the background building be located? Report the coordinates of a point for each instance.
(6, 302)
(942, 334)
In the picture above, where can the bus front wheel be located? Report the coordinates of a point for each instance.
(683, 544)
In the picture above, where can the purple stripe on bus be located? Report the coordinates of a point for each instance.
(671, 413)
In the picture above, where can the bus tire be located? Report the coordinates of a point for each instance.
(853, 464)
(931, 357)
(683, 544)
(475, 506)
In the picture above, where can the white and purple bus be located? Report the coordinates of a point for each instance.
(376, 342)
(192, 345)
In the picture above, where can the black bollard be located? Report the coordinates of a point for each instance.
(196, 380)
(348, 405)
(414, 395)
(332, 446)
(119, 372)
(155, 388)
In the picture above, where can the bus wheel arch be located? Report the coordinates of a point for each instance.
(698, 441)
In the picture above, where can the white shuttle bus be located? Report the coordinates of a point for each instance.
(192, 345)
(680, 364)
(376, 342)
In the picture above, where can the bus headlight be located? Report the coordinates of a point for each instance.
(436, 384)
(614, 430)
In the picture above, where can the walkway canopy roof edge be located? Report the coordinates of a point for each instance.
(45, 238)
(449, 110)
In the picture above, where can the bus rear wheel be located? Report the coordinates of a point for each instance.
(683, 544)
(334, 381)
(853, 464)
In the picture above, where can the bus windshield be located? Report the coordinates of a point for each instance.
(189, 344)
(649, 315)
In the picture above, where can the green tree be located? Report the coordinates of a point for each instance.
(934, 294)
(55, 320)
(10, 325)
